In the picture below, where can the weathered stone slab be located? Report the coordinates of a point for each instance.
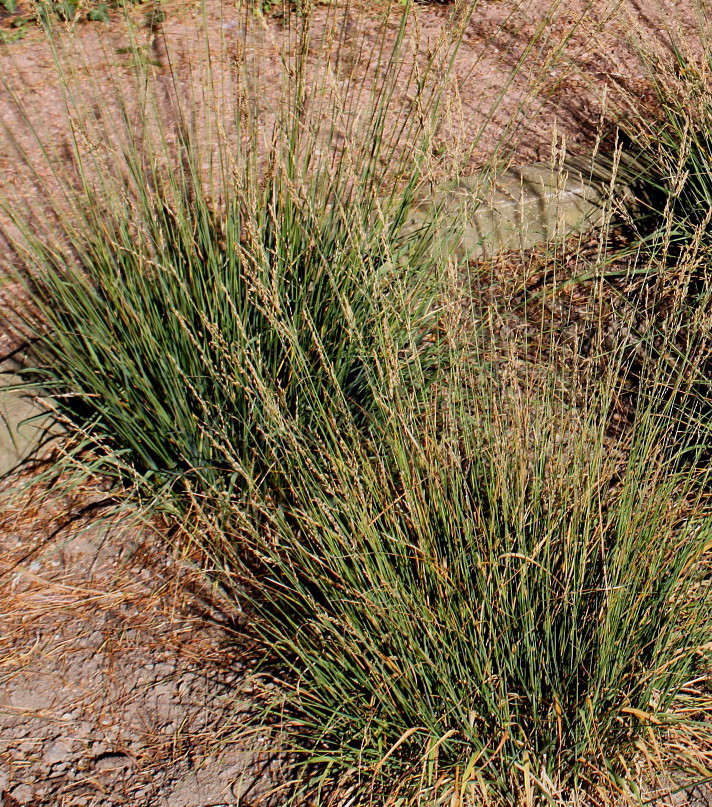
(18, 435)
(518, 208)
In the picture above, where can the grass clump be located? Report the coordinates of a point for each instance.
(668, 141)
(667, 154)
(221, 324)
(186, 324)
(482, 607)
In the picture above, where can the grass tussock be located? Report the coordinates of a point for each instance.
(490, 603)
(186, 322)
(467, 584)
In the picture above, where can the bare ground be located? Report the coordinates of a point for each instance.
(120, 679)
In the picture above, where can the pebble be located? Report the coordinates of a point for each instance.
(98, 747)
(56, 752)
(59, 768)
(112, 761)
(22, 794)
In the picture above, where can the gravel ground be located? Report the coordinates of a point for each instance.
(118, 677)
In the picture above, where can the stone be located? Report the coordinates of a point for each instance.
(31, 700)
(20, 426)
(112, 761)
(23, 794)
(56, 752)
(518, 208)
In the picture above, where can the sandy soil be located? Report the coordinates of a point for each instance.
(590, 41)
(119, 673)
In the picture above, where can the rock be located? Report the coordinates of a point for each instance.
(23, 794)
(520, 207)
(112, 761)
(18, 434)
(220, 782)
(57, 751)
(23, 748)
